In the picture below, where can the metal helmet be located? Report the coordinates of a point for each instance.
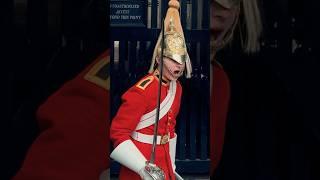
(174, 45)
(174, 42)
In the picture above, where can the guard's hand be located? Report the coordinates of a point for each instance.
(145, 175)
(154, 171)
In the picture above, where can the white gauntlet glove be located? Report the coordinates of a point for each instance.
(127, 154)
(144, 175)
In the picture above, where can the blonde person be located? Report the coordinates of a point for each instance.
(225, 16)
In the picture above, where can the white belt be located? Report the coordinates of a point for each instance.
(148, 139)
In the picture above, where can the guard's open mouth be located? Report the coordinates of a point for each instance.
(176, 72)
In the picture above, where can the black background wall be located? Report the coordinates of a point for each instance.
(273, 129)
(273, 123)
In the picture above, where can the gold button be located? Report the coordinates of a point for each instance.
(164, 139)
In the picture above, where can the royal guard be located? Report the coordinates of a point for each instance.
(143, 130)
(225, 17)
(74, 131)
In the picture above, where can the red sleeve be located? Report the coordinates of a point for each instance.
(219, 108)
(133, 106)
(73, 143)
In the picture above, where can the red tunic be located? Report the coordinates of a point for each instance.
(73, 143)
(137, 102)
(219, 107)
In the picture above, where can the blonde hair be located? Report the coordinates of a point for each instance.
(253, 24)
(249, 19)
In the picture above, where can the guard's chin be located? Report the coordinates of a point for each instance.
(172, 77)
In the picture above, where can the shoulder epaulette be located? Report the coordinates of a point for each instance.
(99, 74)
(144, 83)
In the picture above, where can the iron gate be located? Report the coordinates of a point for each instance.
(131, 52)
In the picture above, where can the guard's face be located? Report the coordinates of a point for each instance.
(223, 15)
(171, 69)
